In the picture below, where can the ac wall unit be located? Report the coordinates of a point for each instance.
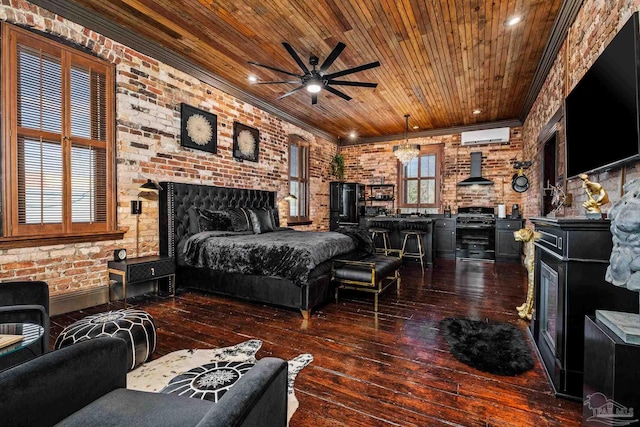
(486, 136)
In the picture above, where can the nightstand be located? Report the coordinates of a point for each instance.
(143, 269)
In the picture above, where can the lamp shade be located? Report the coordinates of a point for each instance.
(150, 187)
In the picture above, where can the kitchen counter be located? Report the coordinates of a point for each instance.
(396, 224)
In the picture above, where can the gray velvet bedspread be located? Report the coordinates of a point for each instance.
(291, 254)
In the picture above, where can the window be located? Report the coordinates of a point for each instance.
(298, 180)
(58, 144)
(420, 179)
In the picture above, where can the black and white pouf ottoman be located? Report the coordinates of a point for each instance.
(136, 327)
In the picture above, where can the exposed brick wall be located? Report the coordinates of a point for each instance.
(598, 21)
(368, 163)
(148, 100)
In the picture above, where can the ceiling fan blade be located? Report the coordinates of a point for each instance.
(332, 57)
(274, 69)
(352, 70)
(346, 83)
(295, 56)
(337, 92)
(291, 92)
(314, 99)
(281, 81)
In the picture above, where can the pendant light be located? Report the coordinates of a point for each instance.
(406, 152)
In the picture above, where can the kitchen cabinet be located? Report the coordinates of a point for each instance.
(507, 248)
(445, 237)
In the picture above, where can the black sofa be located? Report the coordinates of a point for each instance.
(85, 385)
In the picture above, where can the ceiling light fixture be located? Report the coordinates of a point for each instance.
(406, 152)
(352, 135)
(416, 127)
(513, 21)
(477, 111)
(314, 86)
(252, 79)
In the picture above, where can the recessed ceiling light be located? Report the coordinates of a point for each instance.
(416, 127)
(252, 79)
(352, 135)
(477, 111)
(513, 21)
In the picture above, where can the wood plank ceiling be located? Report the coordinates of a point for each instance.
(440, 59)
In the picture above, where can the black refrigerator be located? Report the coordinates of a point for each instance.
(346, 203)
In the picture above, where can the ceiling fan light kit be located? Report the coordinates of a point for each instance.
(315, 80)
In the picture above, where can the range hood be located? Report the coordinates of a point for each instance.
(476, 172)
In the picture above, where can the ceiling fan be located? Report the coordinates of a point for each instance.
(315, 80)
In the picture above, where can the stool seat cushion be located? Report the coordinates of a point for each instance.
(420, 232)
(378, 230)
(384, 266)
(136, 327)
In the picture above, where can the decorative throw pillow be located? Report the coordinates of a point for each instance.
(261, 220)
(194, 222)
(274, 217)
(214, 220)
(239, 219)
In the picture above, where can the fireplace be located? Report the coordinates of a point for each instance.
(571, 258)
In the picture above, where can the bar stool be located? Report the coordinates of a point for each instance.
(417, 234)
(375, 231)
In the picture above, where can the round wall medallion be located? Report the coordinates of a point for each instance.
(199, 129)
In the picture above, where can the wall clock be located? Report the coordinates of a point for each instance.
(246, 142)
(120, 254)
(198, 129)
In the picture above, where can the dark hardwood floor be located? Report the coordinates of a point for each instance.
(389, 369)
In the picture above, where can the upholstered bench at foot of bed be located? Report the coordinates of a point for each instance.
(372, 274)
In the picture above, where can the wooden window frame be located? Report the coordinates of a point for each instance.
(302, 179)
(428, 149)
(24, 235)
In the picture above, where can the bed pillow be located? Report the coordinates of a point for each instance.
(209, 220)
(240, 220)
(261, 221)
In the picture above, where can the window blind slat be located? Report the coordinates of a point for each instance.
(39, 181)
(39, 90)
(88, 165)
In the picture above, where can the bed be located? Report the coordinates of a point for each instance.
(260, 263)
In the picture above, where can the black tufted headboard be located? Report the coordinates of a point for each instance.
(177, 197)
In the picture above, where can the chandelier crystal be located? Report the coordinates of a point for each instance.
(406, 152)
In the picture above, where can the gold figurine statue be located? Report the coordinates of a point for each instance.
(527, 236)
(596, 195)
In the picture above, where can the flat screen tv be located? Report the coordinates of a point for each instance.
(601, 112)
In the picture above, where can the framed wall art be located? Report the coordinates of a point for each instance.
(246, 142)
(198, 129)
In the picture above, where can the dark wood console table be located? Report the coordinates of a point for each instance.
(570, 263)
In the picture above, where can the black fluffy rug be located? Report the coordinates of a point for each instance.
(494, 347)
